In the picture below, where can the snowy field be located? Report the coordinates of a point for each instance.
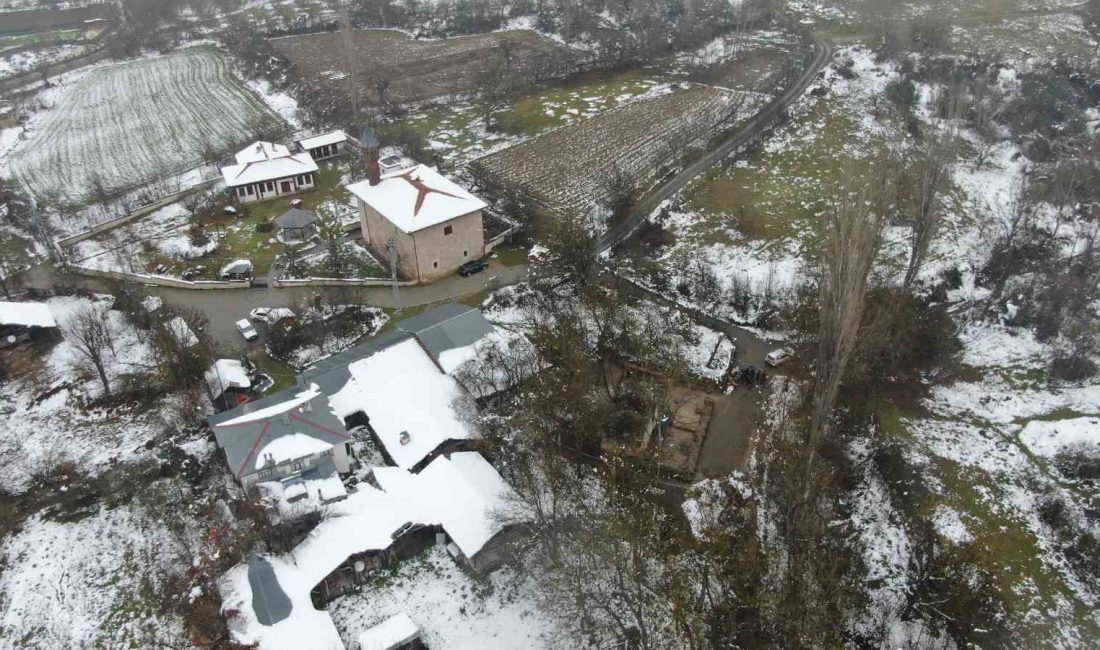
(77, 584)
(127, 124)
(39, 434)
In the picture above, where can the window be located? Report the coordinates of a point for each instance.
(299, 465)
(435, 265)
(447, 230)
(465, 253)
(248, 190)
(267, 471)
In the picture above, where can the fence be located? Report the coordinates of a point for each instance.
(340, 282)
(111, 224)
(161, 280)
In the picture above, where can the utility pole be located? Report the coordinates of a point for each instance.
(349, 55)
(392, 248)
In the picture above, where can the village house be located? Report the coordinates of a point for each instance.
(25, 321)
(433, 225)
(265, 170)
(399, 386)
(401, 389)
(293, 435)
(324, 146)
(454, 502)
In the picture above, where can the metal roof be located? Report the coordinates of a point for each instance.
(447, 327)
(269, 601)
(296, 218)
(369, 140)
(243, 440)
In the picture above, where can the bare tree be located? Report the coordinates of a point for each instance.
(855, 223)
(925, 181)
(88, 329)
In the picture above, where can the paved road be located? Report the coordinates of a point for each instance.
(823, 53)
(224, 307)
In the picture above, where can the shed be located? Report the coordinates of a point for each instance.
(395, 633)
(296, 224)
(236, 268)
(325, 145)
(21, 321)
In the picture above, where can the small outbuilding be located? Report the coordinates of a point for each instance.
(297, 225)
(395, 633)
(236, 269)
(325, 145)
(229, 383)
(24, 321)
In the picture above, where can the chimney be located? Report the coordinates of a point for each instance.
(374, 171)
(370, 144)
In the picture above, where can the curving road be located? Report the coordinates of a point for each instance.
(757, 124)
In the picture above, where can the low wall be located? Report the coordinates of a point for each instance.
(162, 280)
(339, 282)
(111, 224)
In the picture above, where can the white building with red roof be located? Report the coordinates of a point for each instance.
(434, 224)
(266, 170)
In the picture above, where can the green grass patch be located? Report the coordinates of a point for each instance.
(281, 374)
(775, 195)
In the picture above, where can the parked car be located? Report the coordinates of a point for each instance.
(779, 357)
(270, 315)
(472, 267)
(246, 330)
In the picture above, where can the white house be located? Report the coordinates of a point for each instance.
(326, 145)
(265, 170)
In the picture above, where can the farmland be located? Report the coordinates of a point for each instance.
(418, 70)
(125, 125)
(640, 139)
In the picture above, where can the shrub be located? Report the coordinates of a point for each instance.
(1079, 462)
(1073, 367)
(265, 226)
(903, 93)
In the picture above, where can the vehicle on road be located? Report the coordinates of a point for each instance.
(472, 267)
(247, 330)
(779, 357)
(270, 315)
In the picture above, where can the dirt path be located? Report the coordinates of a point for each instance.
(763, 120)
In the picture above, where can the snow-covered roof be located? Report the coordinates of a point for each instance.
(180, 331)
(332, 137)
(290, 447)
(389, 634)
(417, 198)
(27, 314)
(406, 398)
(260, 150)
(268, 169)
(460, 493)
(226, 374)
(279, 428)
(236, 266)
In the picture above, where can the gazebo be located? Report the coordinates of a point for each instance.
(296, 224)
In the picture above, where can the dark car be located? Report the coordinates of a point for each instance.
(472, 267)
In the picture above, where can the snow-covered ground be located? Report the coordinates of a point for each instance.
(983, 449)
(452, 609)
(37, 436)
(127, 124)
(75, 584)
